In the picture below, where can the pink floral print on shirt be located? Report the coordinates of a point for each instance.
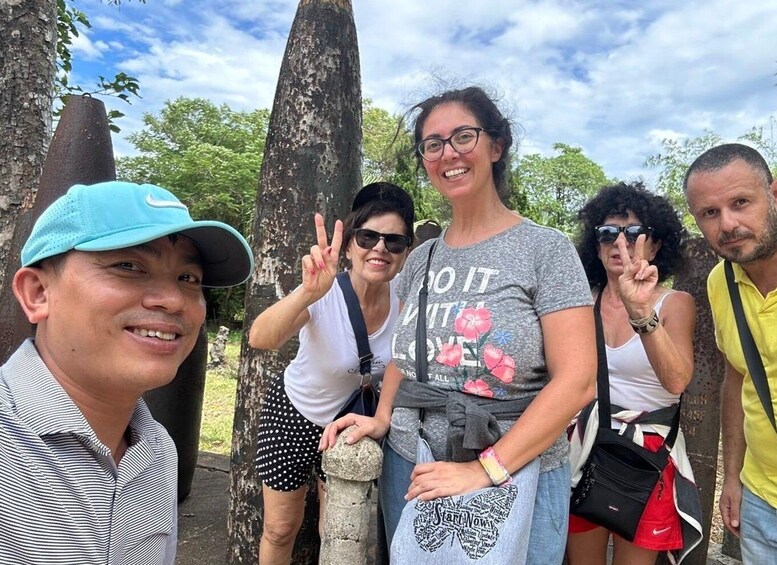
(474, 324)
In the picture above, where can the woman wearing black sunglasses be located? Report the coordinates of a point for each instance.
(630, 242)
(374, 239)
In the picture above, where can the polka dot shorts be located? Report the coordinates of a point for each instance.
(288, 442)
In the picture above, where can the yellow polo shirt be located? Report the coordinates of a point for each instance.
(759, 473)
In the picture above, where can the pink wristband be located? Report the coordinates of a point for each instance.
(494, 468)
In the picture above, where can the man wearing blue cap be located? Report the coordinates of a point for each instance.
(112, 276)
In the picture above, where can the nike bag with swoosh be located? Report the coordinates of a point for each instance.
(619, 475)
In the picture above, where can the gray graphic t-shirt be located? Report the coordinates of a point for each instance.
(483, 323)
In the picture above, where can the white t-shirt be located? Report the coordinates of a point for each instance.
(325, 371)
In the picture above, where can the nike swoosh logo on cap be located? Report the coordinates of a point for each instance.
(657, 532)
(155, 203)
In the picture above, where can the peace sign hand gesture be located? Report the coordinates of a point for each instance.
(639, 279)
(320, 266)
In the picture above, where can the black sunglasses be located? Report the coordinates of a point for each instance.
(395, 243)
(608, 233)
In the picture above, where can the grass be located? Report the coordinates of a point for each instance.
(218, 405)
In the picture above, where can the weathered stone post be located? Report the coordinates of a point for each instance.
(80, 152)
(312, 162)
(350, 472)
(701, 403)
(217, 357)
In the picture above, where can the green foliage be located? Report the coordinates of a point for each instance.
(551, 190)
(673, 160)
(209, 156)
(69, 19)
(388, 156)
(676, 156)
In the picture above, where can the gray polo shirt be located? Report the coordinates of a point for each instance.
(63, 500)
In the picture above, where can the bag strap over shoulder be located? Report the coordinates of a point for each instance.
(754, 362)
(421, 362)
(603, 381)
(357, 322)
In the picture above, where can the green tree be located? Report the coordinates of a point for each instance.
(210, 157)
(673, 160)
(387, 152)
(551, 190)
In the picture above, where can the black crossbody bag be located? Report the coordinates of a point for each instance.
(619, 475)
(364, 400)
(753, 358)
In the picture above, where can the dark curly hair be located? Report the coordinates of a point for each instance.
(651, 209)
(488, 116)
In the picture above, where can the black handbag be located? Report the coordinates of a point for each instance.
(363, 400)
(619, 476)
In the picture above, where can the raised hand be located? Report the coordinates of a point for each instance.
(320, 266)
(639, 279)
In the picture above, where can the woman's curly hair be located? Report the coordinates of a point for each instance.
(651, 209)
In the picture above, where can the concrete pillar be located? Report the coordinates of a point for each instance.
(350, 471)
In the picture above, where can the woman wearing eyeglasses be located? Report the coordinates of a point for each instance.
(509, 320)
(631, 241)
(374, 239)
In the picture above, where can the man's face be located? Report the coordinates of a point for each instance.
(735, 211)
(121, 322)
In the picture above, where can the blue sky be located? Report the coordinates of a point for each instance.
(612, 77)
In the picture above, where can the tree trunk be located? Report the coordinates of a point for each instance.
(311, 163)
(28, 34)
(701, 401)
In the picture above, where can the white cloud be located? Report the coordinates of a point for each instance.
(612, 77)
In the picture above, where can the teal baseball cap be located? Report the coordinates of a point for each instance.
(115, 215)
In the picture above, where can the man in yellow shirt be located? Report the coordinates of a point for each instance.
(732, 196)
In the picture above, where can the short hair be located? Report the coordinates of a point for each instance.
(488, 116)
(652, 210)
(56, 263)
(373, 208)
(723, 155)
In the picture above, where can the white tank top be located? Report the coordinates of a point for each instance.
(633, 382)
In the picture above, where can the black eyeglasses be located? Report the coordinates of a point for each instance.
(463, 141)
(395, 243)
(608, 233)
